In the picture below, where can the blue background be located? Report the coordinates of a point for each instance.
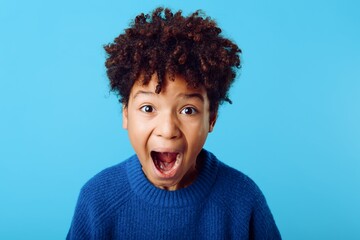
(294, 126)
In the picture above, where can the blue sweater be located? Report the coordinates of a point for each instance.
(222, 203)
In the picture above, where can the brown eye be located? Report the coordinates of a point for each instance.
(147, 109)
(189, 111)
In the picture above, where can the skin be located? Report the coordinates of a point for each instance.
(175, 120)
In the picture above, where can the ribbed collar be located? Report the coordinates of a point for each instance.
(190, 195)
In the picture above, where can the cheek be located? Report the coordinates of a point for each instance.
(138, 132)
(197, 132)
(141, 126)
(138, 135)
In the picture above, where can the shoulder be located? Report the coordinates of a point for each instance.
(237, 191)
(245, 202)
(111, 177)
(106, 190)
(236, 183)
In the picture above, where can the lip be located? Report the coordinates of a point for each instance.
(171, 173)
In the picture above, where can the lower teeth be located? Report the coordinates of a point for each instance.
(164, 166)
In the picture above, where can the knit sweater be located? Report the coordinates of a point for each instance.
(222, 203)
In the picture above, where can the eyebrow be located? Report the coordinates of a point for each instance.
(182, 95)
(143, 92)
(192, 95)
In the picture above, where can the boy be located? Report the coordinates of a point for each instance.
(171, 73)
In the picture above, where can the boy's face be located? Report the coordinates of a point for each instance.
(168, 130)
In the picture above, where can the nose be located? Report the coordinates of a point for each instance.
(167, 126)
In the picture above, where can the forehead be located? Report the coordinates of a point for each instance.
(176, 86)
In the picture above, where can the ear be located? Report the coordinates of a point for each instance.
(213, 117)
(124, 117)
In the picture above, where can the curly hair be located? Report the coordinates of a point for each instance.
(164, 42)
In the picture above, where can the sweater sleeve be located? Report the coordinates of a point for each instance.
(83, 222)
(262, 223)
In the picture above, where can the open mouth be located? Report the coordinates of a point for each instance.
(166, 162)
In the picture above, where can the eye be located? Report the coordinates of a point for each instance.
(147, 109)
(188, 111)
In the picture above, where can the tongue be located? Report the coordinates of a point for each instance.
(164, 166)
(166, 157)
(165, 161)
